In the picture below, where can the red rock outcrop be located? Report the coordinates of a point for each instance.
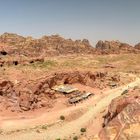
(122, 122)
(45, 46)
(13, 44)
(114, 47)
(29, 95)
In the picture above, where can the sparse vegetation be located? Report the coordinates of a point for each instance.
(47, 64)
(62, 117)
(75, 138)
(83, 130)
(124, 92)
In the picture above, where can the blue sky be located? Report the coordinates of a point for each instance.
(76, 19)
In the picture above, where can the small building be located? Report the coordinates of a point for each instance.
(66, 89)
(79, 97)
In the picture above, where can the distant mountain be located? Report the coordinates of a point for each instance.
(13, 44)
(47, 45)
(113, 47)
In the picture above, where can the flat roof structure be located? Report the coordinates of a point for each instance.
(65, 89)
(79, 97)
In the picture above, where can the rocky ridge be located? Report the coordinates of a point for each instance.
(13, 44)
(46, 46)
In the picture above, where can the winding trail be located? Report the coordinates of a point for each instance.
(66, 129)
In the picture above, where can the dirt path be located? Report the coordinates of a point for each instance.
(66, 129)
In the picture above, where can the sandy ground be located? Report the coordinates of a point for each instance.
(89, 112)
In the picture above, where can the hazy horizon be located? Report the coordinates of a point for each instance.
(76, 19)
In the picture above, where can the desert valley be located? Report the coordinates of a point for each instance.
(54, 88)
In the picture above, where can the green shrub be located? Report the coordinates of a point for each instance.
(75, 138)
(62, 117)
(83, 130)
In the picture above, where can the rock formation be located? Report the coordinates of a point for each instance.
(114, 47)
(13, 44)
(122, 120)
(45, 46)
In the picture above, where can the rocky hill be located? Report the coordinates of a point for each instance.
(114, 47)
(45, 46)
(13, 44)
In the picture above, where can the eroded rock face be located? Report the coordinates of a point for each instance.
(114, 47)
(30, 95)
(118, 104)
(14, 44)
(125, 126)
(122, 122)
(106, 45)
(17, 98)
(45, 46)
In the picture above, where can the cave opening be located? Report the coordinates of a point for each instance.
(3, 52)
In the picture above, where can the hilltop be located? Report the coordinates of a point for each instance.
(45, 46)
(13, 44)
